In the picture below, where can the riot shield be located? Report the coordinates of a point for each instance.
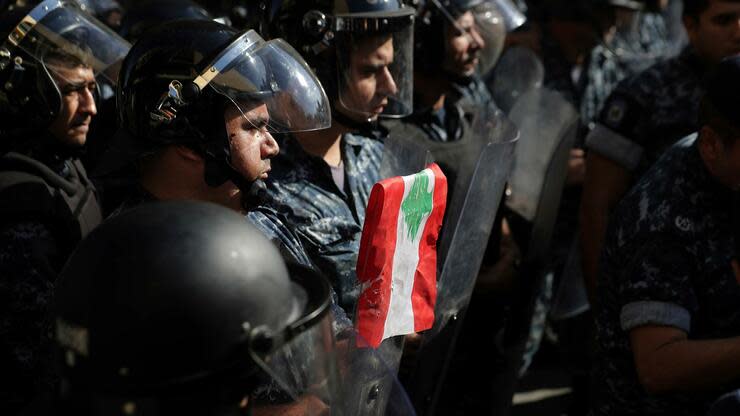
(518, 71)
(470, 227)
(570, 298)
(351, 380)
(370, 385)
(548, 126)
(477, 168)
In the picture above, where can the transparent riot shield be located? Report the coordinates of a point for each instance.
(369, 380)
(548, 126)
(477, 167)
(470, 228)
(570, 298)
(518, 71)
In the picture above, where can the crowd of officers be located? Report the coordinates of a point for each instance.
(276, 113)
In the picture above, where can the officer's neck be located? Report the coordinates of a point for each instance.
(325, 144)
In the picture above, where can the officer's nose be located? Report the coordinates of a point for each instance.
(87, 102)
(270, 147)
(386, 84)
(476, 40)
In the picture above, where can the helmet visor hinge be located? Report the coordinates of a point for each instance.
(176, 97)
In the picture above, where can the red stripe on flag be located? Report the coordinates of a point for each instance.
(375, 259)
(425, 280)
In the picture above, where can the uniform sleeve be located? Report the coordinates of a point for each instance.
(29, 260)
(621, 127)
(656, 288)
(275, 230)
(292, 250)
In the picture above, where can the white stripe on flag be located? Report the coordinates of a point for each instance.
(400, 318)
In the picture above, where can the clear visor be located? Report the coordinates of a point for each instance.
(375, 67)
(58, 33)
(484, 31)
(302, 375)
(491, 26)
(512, 15)
(252, 73)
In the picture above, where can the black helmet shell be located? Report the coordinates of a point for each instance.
(170, 294)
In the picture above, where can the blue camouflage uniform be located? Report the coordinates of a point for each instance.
(327, 220)
(649, 112)
(666, 262)
(623, 57)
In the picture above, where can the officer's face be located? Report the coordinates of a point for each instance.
(462, 46)
(251, 144)
(77, 86)
(716, 33)
(369, 82)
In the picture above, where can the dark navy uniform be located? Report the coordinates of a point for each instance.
(47, 205)
(470, 94)
(667, 262)
(327, 220)
(443, 125)
(649, 112)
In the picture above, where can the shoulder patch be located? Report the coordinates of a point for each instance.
(615, 112)
(684, 224)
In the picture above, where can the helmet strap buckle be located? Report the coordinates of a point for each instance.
(166, 110)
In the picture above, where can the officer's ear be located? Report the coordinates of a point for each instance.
(711, 146)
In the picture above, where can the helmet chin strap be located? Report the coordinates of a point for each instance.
(349, 122)
(218, 171)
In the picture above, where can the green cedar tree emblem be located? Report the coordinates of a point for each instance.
(417, 205)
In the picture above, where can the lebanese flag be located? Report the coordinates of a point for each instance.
(397, 262)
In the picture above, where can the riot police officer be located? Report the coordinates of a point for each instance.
(220, 327)
(50, 59)
(667, 316)
(472, 39)
(647, 113)
(361, 51)
(198, 103)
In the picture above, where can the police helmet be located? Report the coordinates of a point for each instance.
(151, 13)
(327, 31)
(184, 308)
(179, 78)
(107, 11)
